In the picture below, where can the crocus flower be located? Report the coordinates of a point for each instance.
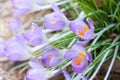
(14, 24)
(56, 20)
(17, 50)
(79, 56)
(35, 36)
(81, 29)
(51, 57)
(38, 72)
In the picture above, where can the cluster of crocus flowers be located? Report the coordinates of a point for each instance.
(19, 47)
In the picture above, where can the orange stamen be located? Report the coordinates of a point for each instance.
(50, 57)
(85, 29)
(80, 59)
(81, 33)
(77, 61)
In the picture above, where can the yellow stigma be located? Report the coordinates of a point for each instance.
(81, 54)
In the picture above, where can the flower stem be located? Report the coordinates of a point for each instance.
(112, 62)
(103, 60)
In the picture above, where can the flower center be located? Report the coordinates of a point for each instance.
(77, 61)
(53, 20)
(85, 29)
(80, 58)
(81, 33)
(50, 56)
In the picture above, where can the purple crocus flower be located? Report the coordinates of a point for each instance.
(51, 57)
(38, 72)
(14, 24)
(56, 20)
(79, 56)
(17, 50)
(35, 36)
(81, 29)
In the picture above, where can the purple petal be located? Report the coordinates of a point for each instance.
(58, 11)
(22, 4)
(88, 35)
(14, 24)
(54, 62)
(36, 74)
(66, 75)
(36, 65)
(34, 37)
(90, 23)
(74, 26)
(55, 8)
(79, 48)
(82, 43)
(19, 12)
(89, 56)
(70, 54)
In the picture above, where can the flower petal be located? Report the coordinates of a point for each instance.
(36, 74)
(36, 65)
(88, 35)
(22, 4)
(90, 23)
(35, 36)
(89, 56)
(17, 50)
(54, 62)
(82, 43)
(14, 24)
(49, 58)
(66, 75)
(70, 54)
